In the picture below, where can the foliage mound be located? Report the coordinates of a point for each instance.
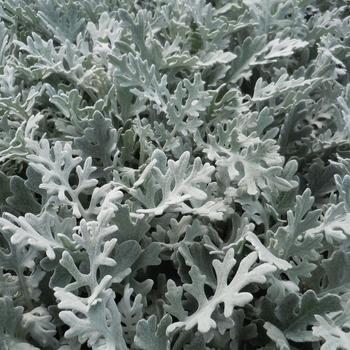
(174, 174)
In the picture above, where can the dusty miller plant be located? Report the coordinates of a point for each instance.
(174, 174)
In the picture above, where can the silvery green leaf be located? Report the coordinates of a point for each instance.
(184, 117)
(331, 275)
(142, 80)
(181, 182)
(131, 313)
(227, 293)
(297, 313)
(297, 241)
(63, 21)
(38, 324)
(277, 336)
(99, 141)
(264, 92)
(264, 254)
(333, 329)
(149, 334)
(9, 326)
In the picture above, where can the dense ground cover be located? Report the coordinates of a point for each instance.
(174, 174)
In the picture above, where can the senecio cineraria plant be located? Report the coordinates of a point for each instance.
(175, 174)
